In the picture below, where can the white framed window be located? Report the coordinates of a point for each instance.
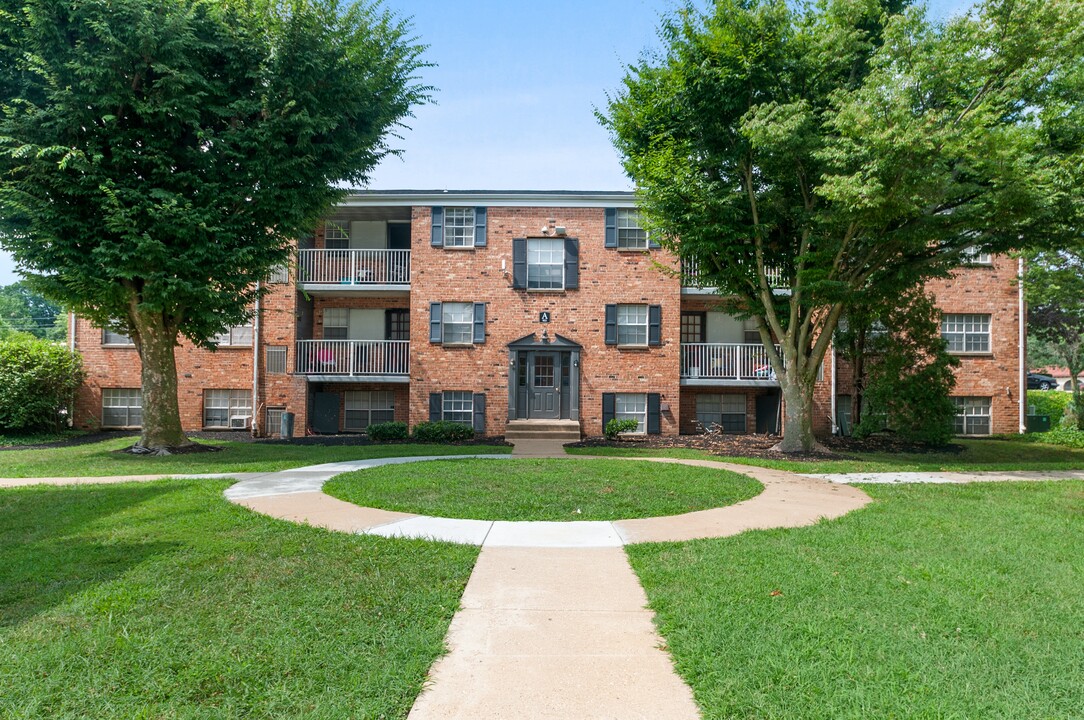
(110, 337)
(545, 263)
(122, 407)
(280, 275)
(458, 227)
(336, 235)
(236, 336)
(630, 231)
(457, 323)
(975, 256)
(273, 421)
(276, 359)
(363, 408)
(457, 406)
(632, 324)
(632, 406)
(336, 323)
(972, 416)
(966, 333)
(728, 411)
(227, 408)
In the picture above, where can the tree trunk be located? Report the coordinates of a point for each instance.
(797, 417)
(161, 413)
(859, 370)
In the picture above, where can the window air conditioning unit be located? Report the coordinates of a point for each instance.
(240, 422)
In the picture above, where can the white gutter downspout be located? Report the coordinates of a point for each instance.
(1022, 323)
(71, 331)
(256, 360)
(835, 426)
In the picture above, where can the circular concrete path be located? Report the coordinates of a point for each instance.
(788, 500)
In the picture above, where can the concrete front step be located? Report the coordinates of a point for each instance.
(561, 435)
(562, 430)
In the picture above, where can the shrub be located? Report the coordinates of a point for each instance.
(442, 431)
(382, 432)
(1067, 436)
(1047, 402)
(38, 380)
(615, 427)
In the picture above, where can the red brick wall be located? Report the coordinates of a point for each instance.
(484, 275)
(992, 290)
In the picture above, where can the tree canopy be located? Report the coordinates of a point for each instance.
(24, 311)
(157, 156)
(853, 146)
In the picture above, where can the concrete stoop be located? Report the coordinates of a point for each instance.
(557, 430)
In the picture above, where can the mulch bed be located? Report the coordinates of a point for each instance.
(760, 446)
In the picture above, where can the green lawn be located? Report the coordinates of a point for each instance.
(98, 459)
(162, 600)
(933, 602)
(40, 438)
(989, 455)
(542, 489)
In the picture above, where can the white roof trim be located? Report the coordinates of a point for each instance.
(490, 199)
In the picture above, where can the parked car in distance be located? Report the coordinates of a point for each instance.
(1038, 381)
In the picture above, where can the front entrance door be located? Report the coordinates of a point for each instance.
(544, 385)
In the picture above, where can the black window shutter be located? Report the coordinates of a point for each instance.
(435, 334)
(436, 407)
(609, 408)
(654, 420)
(572, 263)
(479, 323)
(611, 227)
(519, 263)
(438, 227)
(611, 324)
(480, 413)
(479, 227)
(387, 324)
(654, 324)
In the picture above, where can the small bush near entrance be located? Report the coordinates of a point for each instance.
(382, 432)
(38, 380)
(442, 431)
(615, 427)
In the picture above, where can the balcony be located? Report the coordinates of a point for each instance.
(353, 360)
(354, 272)
(722, 364)
(690, 279)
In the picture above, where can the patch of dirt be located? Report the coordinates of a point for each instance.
(761, 446)
(190, 449)
(86, 439)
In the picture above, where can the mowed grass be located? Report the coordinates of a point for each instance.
(163, 600)
(542, 489)
(933, 602)
(102, 458)
(978, 455)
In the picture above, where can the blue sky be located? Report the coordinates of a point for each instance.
(517, 85)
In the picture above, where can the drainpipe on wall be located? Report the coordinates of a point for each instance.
(255, 360)
(1022, 324)
(71, 331)
(835, 426)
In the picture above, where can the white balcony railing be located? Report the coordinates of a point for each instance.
(359, 358)
(690, 275)
(353, 267)
(725, 361)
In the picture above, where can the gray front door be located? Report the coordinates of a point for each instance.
(325, 413)
(544, 385)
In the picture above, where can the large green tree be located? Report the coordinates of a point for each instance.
(854, 146)
(23, 310)
(1054, 287)
(156, 156)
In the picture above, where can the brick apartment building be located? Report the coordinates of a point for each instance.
(503, 308)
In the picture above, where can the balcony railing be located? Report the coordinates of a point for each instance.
(690, 275)
(360, 358)
(353, 267)
(725, 361)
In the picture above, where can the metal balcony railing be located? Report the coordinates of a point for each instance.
(725, 361)
(353, 267)
(359, 358)
(690, 275)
